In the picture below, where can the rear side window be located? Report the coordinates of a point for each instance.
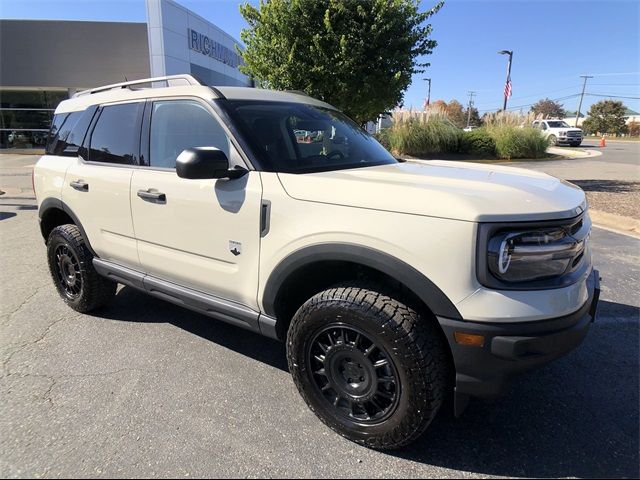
(68, 131)
(54, 132)
(116, 136)
(180, 124)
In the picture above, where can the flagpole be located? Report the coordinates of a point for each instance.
(510, 53)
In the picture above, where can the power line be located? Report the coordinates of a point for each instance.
(530, 104)
(612, 96)
(534, 94)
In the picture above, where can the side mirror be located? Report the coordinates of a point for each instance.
(200, 163)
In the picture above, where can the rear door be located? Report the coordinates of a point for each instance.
(96, 186)
(202, 234)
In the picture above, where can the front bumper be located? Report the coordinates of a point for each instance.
(569, 139)
(510, 348)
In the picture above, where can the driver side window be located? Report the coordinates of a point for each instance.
(180, 124)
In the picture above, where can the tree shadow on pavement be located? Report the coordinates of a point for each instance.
(607, 186)
(576, 417)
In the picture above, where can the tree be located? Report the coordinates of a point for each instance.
(606, 116)
(548, 109)
(456, 114)
(475, 119)
(358, 55)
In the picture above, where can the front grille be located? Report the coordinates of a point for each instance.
(574, 134)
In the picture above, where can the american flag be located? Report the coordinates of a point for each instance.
(507, 88)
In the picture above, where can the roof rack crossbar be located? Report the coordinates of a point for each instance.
(169, 79)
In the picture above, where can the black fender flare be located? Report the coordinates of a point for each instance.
(52, 203)
(404, 273)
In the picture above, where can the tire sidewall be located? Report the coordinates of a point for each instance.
(351, 314)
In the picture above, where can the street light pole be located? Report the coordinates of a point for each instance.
(508, 82)
(584, 86)
(428, 92)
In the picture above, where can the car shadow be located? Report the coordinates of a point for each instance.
(6, 215)
(131, 305)
(576, 417)
(608, 186)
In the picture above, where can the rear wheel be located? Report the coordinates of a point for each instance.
(367, 365)
(71, 267)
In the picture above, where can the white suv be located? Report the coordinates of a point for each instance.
(559, 132)
(394, 284)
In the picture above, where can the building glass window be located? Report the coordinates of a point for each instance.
(25, 116)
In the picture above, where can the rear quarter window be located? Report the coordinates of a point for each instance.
(68, 131)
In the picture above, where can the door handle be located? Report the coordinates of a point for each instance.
(80, 185)
(152, 195)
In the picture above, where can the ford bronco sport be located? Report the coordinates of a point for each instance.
(397, 286)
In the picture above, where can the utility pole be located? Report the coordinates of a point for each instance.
(471, 94)
(507, 85)
(428, 93)
(584, 86)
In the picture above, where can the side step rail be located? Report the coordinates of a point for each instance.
(210, 305)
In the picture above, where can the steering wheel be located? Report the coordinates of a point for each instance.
(336, 153)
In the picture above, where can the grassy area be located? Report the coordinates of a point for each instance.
(436, 135)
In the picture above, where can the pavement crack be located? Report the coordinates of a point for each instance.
(8, 316)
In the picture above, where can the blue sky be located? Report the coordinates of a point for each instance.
(554, 42)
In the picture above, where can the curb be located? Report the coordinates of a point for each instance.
(616, 223)
(577, 153)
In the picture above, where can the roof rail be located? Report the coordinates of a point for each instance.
(170, 80)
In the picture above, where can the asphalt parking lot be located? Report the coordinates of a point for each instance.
(143, 388)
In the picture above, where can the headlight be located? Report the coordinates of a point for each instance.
(527, 256)
(534, 255)
(562, 134)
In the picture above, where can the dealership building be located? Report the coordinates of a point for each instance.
(43, 62)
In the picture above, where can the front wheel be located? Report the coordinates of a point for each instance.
(553, 140)
(367, 365)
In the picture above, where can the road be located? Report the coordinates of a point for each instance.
(143, 388)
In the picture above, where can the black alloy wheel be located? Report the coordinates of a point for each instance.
(353, 374)
(67, 269)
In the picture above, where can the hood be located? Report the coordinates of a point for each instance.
(446, 189)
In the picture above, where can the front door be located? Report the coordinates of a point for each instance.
(202, 234)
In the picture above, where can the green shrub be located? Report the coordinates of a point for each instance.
(514, 142)
(479, 143)
(412, 137)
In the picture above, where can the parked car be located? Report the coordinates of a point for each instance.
(559, 132)
(396, 286)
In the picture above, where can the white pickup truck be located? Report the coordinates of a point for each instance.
(559, 132)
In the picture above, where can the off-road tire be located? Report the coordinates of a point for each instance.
(413, 344)
(94, 291)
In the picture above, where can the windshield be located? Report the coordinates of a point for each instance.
(558, 124)
(302, 138)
